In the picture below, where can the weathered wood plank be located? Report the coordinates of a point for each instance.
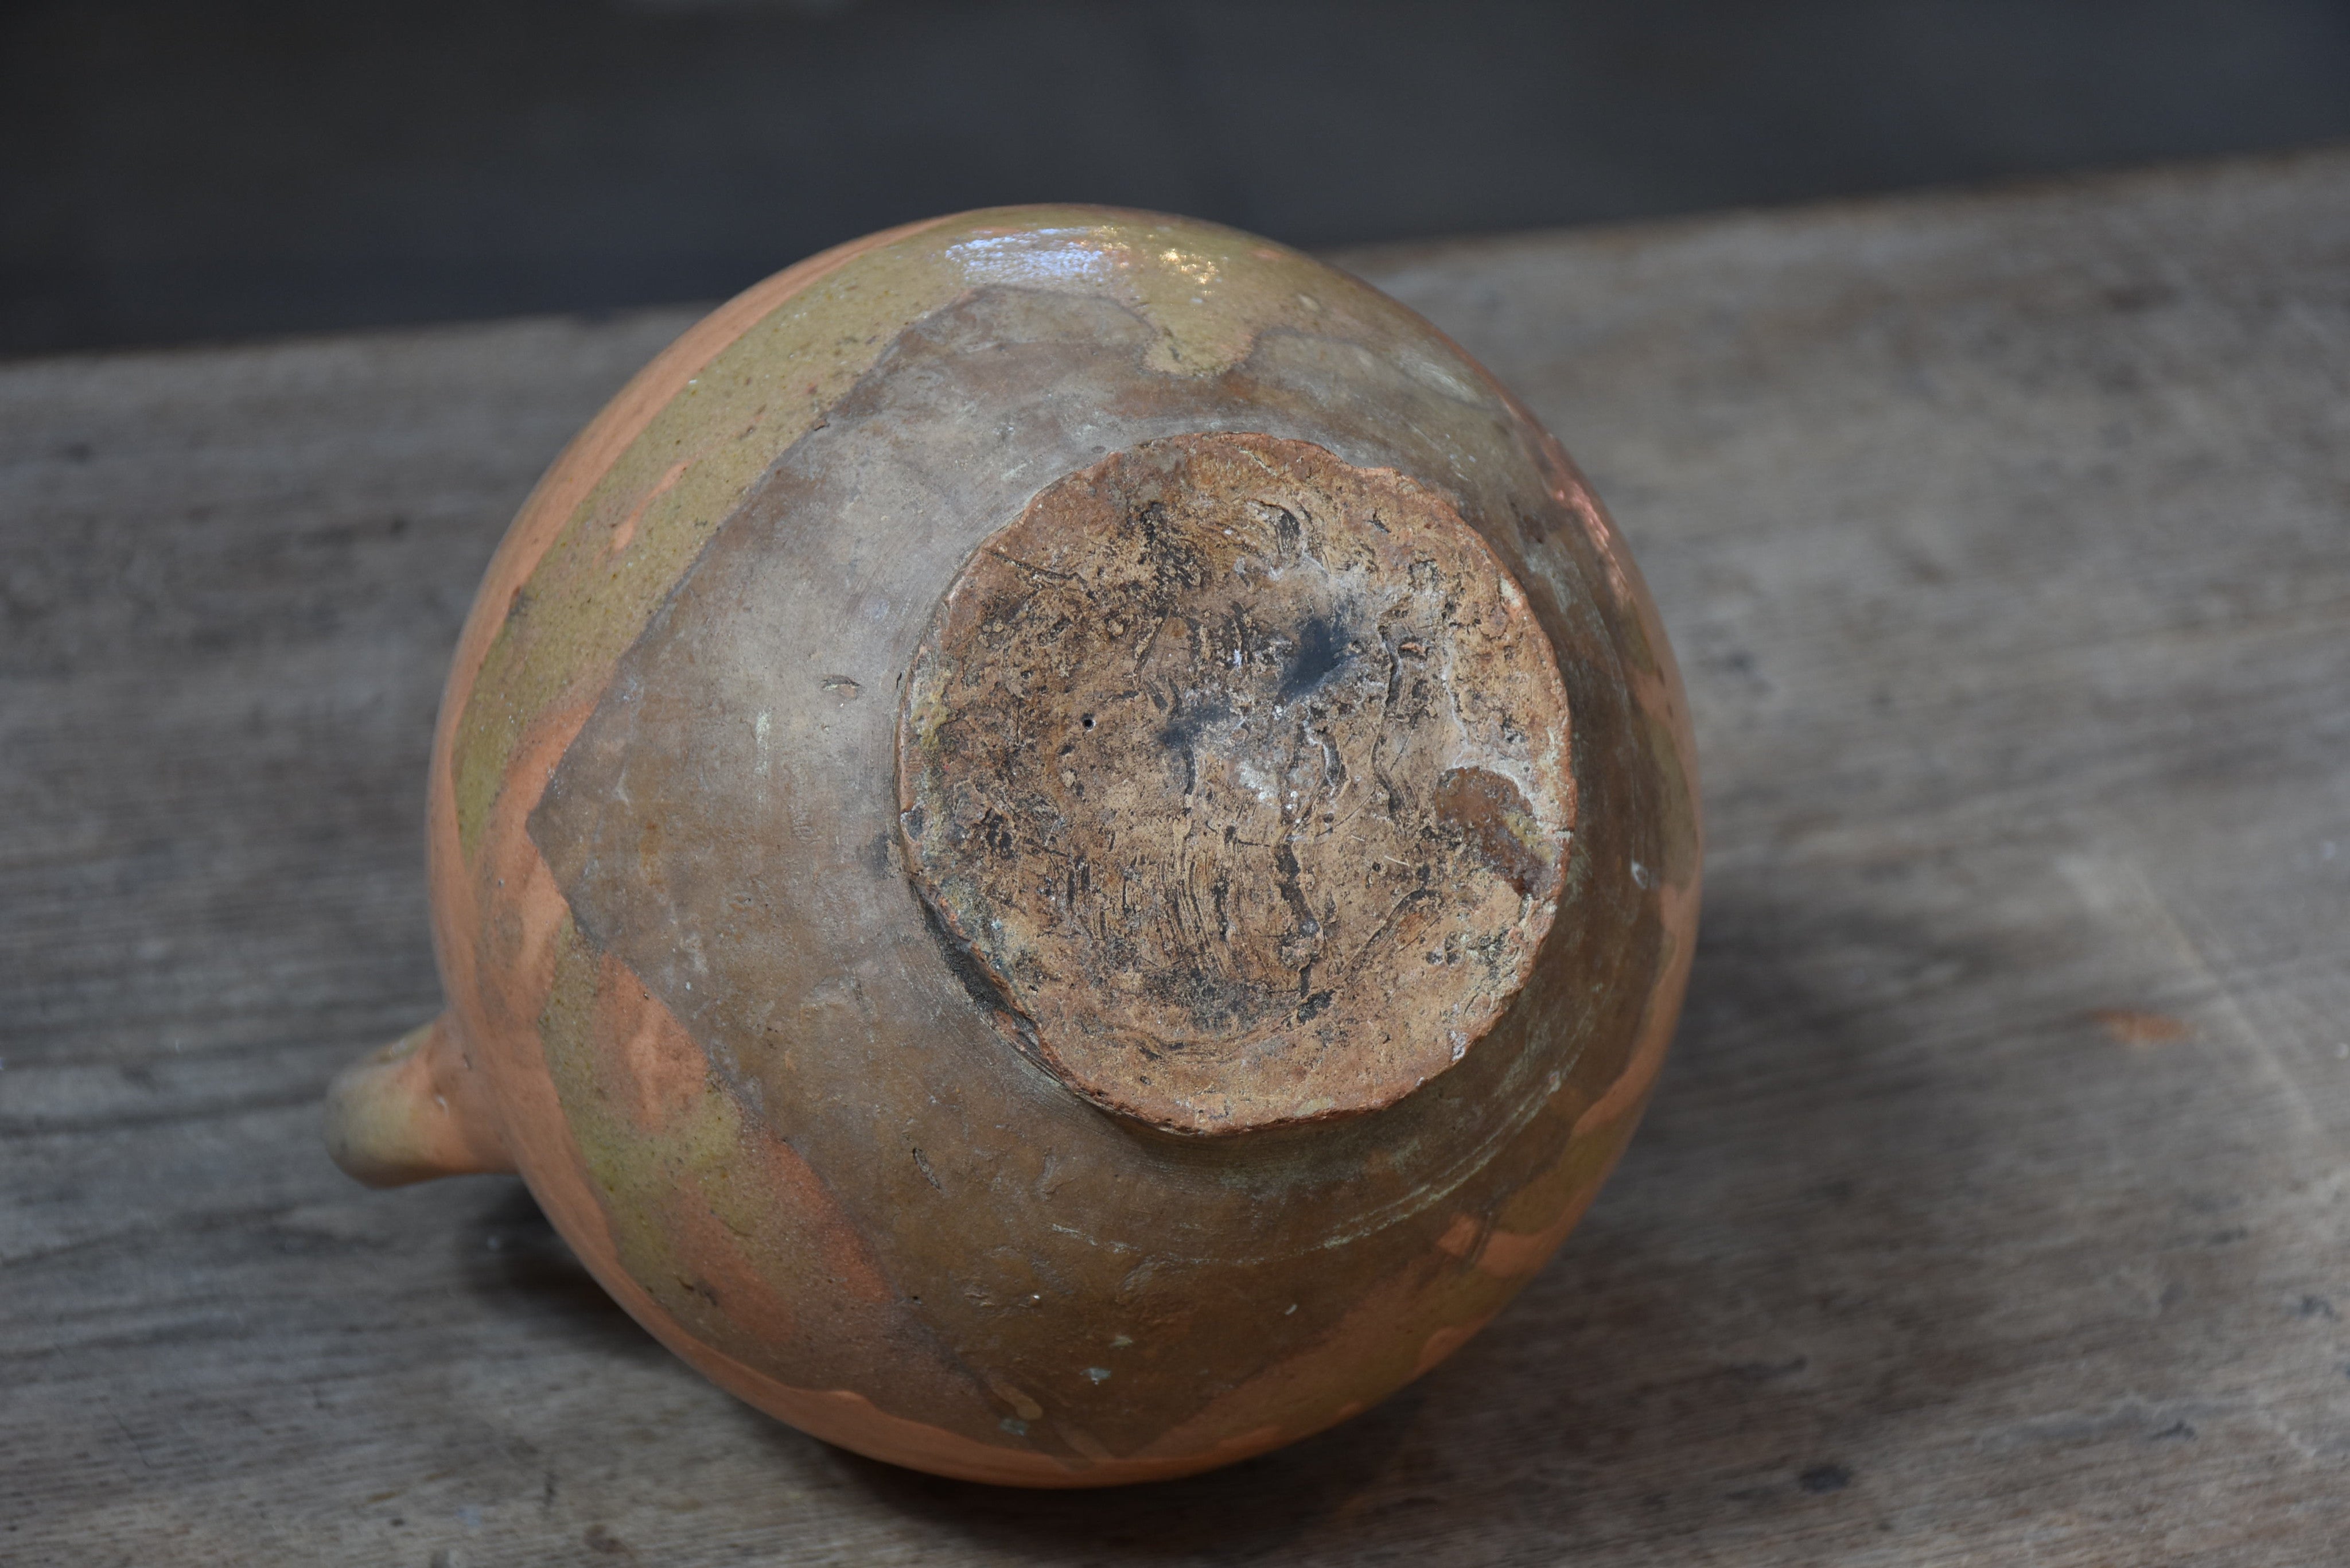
(1997, 1204)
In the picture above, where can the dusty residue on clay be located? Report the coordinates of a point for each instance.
(1242, 773)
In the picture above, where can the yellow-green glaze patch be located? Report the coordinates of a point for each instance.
(1534, 1208)
(1209, 291)
(692, 1154)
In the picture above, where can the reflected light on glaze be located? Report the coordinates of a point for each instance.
(1042, 255)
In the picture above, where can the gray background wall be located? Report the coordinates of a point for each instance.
(173, 172)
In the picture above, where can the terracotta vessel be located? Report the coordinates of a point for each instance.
(1063, 846)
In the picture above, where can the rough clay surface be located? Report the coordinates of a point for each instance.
(1241, 771)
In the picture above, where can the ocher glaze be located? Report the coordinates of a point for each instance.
(770, 904)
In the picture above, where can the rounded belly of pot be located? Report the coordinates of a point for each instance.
(1083, 885)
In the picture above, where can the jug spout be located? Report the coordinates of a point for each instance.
(413, 1110)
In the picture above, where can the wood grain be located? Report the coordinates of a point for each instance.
(1996, 1207)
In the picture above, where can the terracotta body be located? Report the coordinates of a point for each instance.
(1063, 846)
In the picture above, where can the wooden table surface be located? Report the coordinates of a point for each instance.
(1995, 1208)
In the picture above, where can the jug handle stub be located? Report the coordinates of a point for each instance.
(413, 1110)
